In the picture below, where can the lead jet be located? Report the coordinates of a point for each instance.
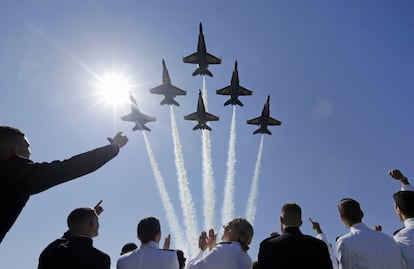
(201, 57)
(201, 115)
(167, 89)
(137, 116)
(234, 90)
(264, 120)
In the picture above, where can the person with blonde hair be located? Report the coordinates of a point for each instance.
(231, 253)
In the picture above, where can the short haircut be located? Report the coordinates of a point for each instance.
(128, 247)
(404, 200)
(147, 229)
(9, 136)
(80, 216)
(243, 231)
(291, 213)
(350, 210)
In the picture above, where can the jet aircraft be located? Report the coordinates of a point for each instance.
(201, 115)
(264, 120)
(234, 89)
(201, 57)
(167, 89)
(137, 116)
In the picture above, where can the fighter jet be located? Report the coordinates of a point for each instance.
(264, 120)
(201, 115)
(167, 89)
(234, 89)
(137, 116)
(201, 57)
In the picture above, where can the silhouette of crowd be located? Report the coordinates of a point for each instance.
(362, 247)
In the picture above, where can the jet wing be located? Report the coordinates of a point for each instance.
(211, 117)
(158, 90)
(192, 116)
(129, 117)
(255, 121)
(212, 59)
(224, 91)
(273, 121)
(146, 118)
(192, 59)
(178, 91)
(243, 91)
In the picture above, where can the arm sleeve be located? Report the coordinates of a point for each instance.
(407, 187)
(42, 176)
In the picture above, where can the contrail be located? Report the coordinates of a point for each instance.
(185, 193)
(168, 208)
(228, 202)
(208, 181)
(251, 202)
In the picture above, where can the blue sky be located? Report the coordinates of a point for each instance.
(340, 77)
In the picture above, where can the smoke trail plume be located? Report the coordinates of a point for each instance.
(186, 199)
(251, 202)
(228, 202)
(168, 208)
(208, 181)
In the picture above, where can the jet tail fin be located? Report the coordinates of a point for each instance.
(237, 102)
(171, 101)
(265, 131)
(202, 71)
(199, 126)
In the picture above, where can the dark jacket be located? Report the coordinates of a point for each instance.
(293, 250)
(48, 254)
(20, 178)
(78, 253)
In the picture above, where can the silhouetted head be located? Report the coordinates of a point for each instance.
(350, 211)
(13, 142)
(290, 215)
(128, 247)
(149, 229)
(239, 230)
(83, 221)
(404, 204)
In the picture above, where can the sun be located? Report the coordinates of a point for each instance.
(113, 88)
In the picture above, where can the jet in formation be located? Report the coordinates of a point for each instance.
(167, 89)
(234, 89)
(201, 115)
(137, 116)
(264, 120)
(201, 57)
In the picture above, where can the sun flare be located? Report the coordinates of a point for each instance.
(113, 88)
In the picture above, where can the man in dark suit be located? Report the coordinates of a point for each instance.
(292, 249)
(79, 252)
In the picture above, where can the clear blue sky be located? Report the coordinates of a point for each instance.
(340, 76)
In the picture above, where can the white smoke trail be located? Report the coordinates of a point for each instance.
(185, 193)
(251, 202)
(168, 208)
(208, 181)
(228, 202)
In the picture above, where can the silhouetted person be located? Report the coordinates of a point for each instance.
(149, 255)
(22, 178)
(79, 252)
(230, 253)
(48, 255)
(292, 249)
(363, 247)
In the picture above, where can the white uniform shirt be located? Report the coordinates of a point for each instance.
(322, 236)
(405, 240)
(227, 255)
(365, 248)
(148, 256)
